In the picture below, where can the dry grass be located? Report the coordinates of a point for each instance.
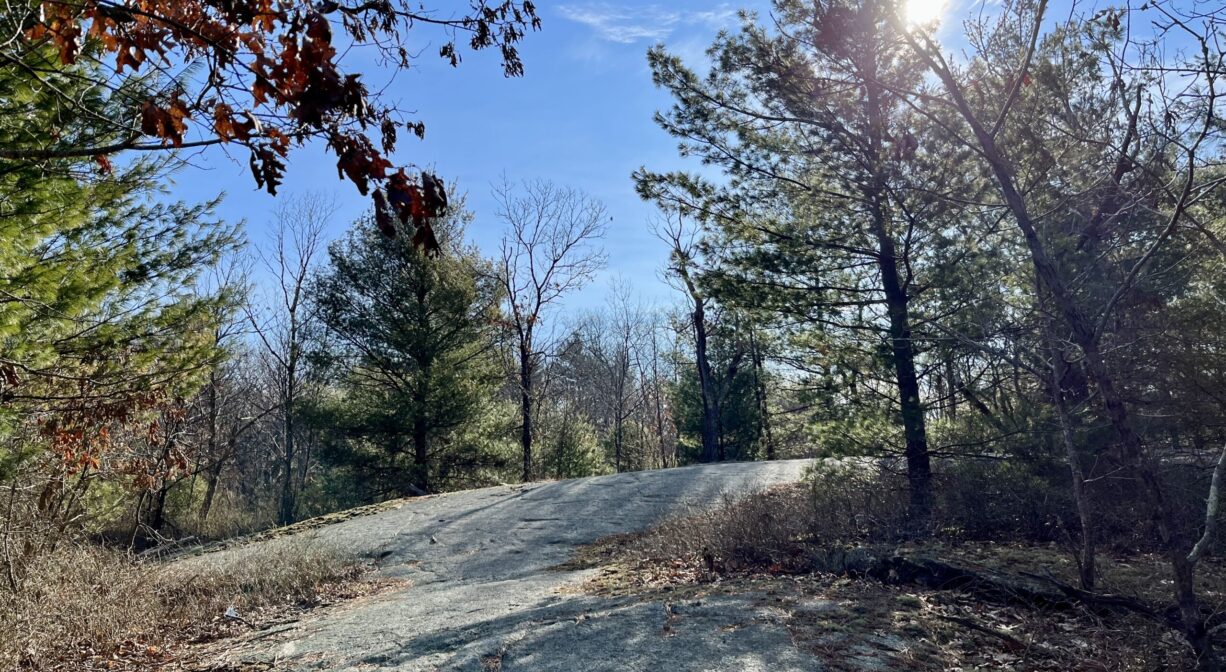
(762, 529)
(304, 526)
(85, 607)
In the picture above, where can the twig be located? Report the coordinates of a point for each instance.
(1103, 599)
(1014, 644)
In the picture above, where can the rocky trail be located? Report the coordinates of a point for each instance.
(480, 589)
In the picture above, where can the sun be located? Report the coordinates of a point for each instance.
(923, 12)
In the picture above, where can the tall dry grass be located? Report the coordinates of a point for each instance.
(83, 602)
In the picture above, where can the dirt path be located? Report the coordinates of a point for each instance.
(480, 594)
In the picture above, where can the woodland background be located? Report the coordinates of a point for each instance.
(998, 273)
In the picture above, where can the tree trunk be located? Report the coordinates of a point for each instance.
(212, 477)
(902, 348)
(1195, 630)
(951, 386)
(421, 458)
(706, 384)
(525, 407)
(1087, 564)
(285, 511)
(158, 518)
(759, 388)
(919, 468)
(421, 445)
(213, 472)
(1086, 561)
(657, 401)
(617, 442)
(659, 408)
(137, 517)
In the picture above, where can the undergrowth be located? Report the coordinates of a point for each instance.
(87, 607)
(766, 542)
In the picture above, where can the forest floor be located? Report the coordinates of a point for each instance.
(860, 624)
(545, 577)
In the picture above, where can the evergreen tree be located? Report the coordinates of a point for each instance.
(415, 334)
(827, 218)
(101, 329)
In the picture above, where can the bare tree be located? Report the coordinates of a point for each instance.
(548, 251)
(683, 239)
(230, 404)
(614, 341)
(233, 406)
(653, 373)
(220, 405)
(286, 321)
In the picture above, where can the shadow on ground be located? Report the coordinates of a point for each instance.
(482, 597)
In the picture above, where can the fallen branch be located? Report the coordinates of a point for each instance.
(1013, 644)
(1022, 589)
(166, 546)
(1169, 616)
(893, 568)
(1105, 600)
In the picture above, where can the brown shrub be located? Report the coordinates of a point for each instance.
(856, 501)
(763, 528)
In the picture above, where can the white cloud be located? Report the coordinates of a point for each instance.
(624, 24)
(692, 51)
(720, 17)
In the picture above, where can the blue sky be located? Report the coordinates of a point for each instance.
(581, 116)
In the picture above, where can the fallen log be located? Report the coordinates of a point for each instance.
(1028, 590)
(1107, 601)
(1169, 616)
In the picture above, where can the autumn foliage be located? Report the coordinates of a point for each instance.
(272, 80)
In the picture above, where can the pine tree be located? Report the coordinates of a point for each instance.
(825, 217)
(416, 356)
(101, 328)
